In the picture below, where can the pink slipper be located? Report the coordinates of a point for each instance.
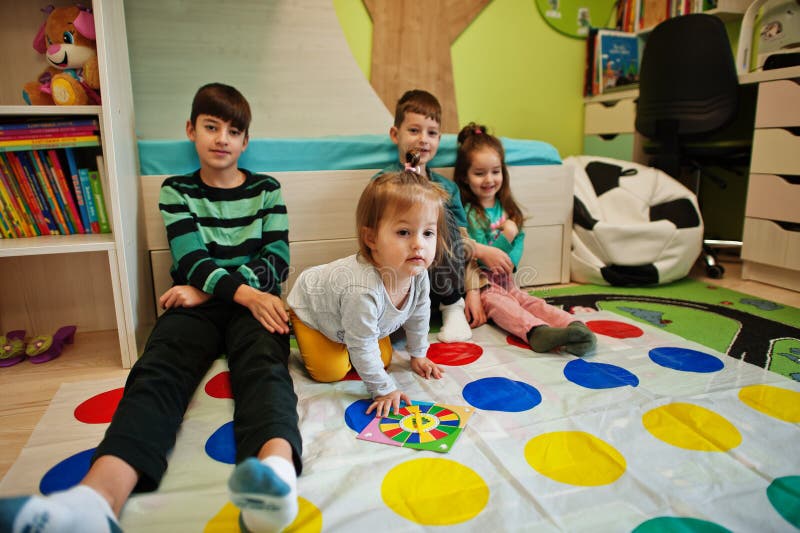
(43, 348)
(12, 348)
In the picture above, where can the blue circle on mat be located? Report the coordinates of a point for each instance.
(221, 446)
(685, 359)
(598, 375)
(501, 394)
(67, 473)
(355, 415)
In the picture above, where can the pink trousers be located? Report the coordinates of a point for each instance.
(516, 311)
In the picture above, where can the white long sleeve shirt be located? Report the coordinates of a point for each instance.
(347, 302)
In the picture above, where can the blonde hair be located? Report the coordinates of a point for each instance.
(397, 192)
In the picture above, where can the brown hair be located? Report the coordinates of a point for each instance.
(417, 101)
(471, 138)
(397, 192)
(224, 102)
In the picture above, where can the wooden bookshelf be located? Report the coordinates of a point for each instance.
(89, 280)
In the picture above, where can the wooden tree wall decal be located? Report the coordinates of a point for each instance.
(411, 42)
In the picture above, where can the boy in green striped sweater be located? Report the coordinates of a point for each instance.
(228, 234)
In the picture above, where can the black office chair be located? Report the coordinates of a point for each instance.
(689, 99)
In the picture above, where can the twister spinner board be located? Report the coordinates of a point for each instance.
(421, 425)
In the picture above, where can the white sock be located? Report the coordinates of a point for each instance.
(266, 493)
(79, 508)
(455, 327)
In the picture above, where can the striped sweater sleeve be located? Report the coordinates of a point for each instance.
(222, 238)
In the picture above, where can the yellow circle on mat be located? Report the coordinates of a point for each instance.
(575, 457)
(691, 427)
(308, 520)
(782, 404)
(434, 492)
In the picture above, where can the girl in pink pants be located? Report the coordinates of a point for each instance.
(494, 219)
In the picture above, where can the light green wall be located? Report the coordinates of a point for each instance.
(512, 71)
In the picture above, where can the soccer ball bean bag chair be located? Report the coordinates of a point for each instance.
(632, 224)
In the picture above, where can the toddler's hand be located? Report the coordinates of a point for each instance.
(183, 296)
(382, 405)
(426, 368)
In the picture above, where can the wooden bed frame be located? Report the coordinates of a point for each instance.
(321, 207)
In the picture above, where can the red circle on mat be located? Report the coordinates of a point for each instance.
(454, 353)
(615, 329)
(99, 408)
(351, 375)
(220, 386)
(513, 340)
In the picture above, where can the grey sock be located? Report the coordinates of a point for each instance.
(545, 338)
(582, 340)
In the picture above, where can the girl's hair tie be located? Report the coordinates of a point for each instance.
(478, 131)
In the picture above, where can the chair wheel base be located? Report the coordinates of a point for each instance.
(715, 271)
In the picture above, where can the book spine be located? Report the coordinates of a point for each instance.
(17, 200)
(47, 133)
(11, 225)
(99, 201)
(86, 188)
(62, 123)
(40, 174)
(41, 202)
(76, 187)
(44, 144)
(66, 192)
(63, 206)
(27, 197)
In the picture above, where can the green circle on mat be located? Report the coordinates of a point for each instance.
(575, 17)
(784, 495)
(679, 524)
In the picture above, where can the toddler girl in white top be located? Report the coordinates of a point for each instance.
(343, 312)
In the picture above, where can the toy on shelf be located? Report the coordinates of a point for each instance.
(67, 39)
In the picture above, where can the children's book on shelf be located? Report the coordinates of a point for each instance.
(589, 84)
(617, 60)
(652, 13)
(49, 184)
(75, 180)
(65, 189)
(96, 178)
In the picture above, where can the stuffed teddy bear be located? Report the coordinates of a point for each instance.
(67, 38)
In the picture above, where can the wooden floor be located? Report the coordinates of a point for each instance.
(26, 389)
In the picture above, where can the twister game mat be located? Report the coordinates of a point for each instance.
(651, 433)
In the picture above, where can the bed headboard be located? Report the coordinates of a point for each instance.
(321, 203)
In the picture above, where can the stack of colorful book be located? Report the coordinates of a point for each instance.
(50, 181)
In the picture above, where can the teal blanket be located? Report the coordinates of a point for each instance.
(169, 157)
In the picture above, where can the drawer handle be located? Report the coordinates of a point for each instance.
(608, 136)
(792, 180)
(788, 226)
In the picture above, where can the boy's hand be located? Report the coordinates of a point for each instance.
(183, 296)
(473, 308)
(266, 308)
(510, 230)
(426, 368)
(494, 259)
(383, 405)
